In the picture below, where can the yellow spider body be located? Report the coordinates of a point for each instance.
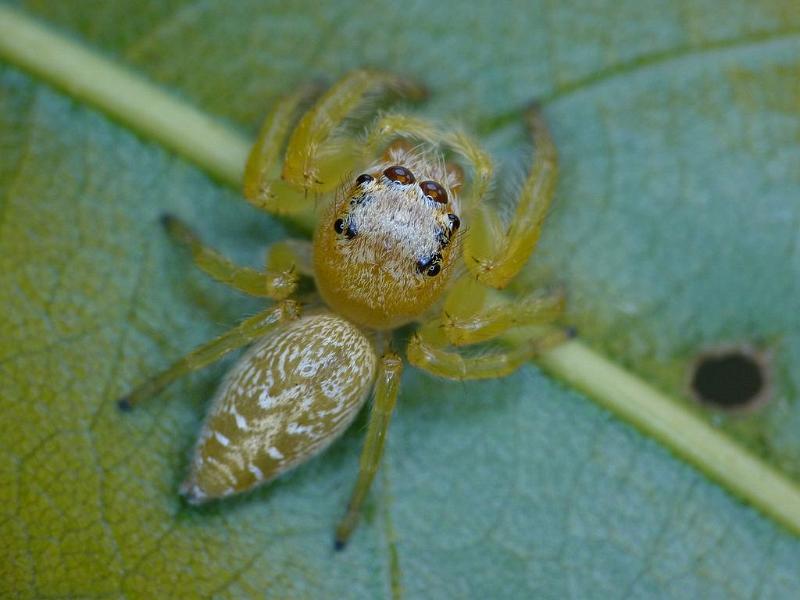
(386, 252)
(394, 253)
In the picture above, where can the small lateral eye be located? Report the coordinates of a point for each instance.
(433, 270)
(365, 178)
(338, 226)
(455, 222)
(430, 267)
(400, 175)
(434, 191)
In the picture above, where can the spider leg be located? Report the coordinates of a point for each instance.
(291, 255)
(495, 257)
(467, 319)
(241, 335)
(276, 284)
(262, 186)
(393, 125)
(427, 350)
(305, 156)
(386, 388)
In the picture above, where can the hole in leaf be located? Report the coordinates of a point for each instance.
(732, 379)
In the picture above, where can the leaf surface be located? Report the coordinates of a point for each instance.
(676, 229)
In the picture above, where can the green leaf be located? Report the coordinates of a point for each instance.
(676, 229)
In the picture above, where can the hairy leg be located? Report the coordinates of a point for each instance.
(427, 351)
(291, 255)
(305, 152)
(278, 284)
(263, 187)
(386, 388)
(469, 318)
(241, 335)
(495, 257)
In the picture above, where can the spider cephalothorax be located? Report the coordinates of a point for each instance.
(386, 249)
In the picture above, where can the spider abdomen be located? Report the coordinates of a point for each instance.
(285, 400)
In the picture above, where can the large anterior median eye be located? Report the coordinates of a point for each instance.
(400, 175)
(434, 191)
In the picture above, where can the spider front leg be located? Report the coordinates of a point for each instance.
(496, 257)
(306, 155)
(262, 186)
(277, 284)
(241, 335)
(386, 388)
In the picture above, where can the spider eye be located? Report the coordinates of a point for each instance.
(349, 232)
(434, 191)
(400, 175)
(430, 266)
(455, 222)
(365, 178)
(433, 270)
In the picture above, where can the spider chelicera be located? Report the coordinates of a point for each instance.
(386, 252)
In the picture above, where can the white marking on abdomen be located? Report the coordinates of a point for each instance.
(241, 422)
(264, 400)
(296, 428)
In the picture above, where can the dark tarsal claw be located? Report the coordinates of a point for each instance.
(124, 404)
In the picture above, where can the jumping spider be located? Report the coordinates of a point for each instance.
(385, 253)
